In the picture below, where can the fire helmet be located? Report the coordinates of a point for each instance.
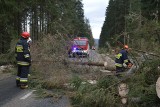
(25, 35)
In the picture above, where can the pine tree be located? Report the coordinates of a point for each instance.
(115, 22)
(41, 17)
(150, 9)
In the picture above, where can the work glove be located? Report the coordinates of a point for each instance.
(129, 65)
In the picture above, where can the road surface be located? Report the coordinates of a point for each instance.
(12, 96)
(93, 56)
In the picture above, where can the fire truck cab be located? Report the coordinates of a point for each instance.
(80, 46)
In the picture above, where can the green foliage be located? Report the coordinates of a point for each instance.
(105, 82)
(147, 34)
(142, 91)
(150, 9)
(103, 50)
(142, 85)
(76, 82)
(115, 21)
(41, 18)
(9, 57)
(151, 71)
(88, 95)
(137, 21)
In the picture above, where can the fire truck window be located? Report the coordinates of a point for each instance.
(79, 42)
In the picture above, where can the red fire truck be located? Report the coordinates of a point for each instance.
(80, 47)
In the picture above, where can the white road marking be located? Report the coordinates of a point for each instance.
(27, 95)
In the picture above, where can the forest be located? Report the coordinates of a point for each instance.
(41, 17)
(132, 22)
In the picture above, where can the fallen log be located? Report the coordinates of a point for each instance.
(107, 66)
(158, 87)
(123, 92)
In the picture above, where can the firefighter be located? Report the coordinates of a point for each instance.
(29, 41)
(122, 57)
(23, 60)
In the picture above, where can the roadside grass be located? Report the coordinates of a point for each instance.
(8, 69)
(8, 61)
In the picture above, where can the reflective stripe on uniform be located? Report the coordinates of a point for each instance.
(22, 63)
(125, 61)
(17, 78)
(23, 80)
(118, 65)
(118, 55)
(26, 56)
(19, 48)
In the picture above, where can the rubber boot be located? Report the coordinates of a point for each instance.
(23, 86)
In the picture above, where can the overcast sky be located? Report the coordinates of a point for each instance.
(95, 10)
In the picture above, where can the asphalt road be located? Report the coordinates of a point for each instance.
(8, 90)
(92, 57)
(12, 96)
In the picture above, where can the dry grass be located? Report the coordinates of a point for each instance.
(49, 57)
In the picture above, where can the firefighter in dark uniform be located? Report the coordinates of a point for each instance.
(29, 41)
(122, 57)
(23, 60)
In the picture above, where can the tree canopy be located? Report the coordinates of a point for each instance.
(132, 22)
(41, 17)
